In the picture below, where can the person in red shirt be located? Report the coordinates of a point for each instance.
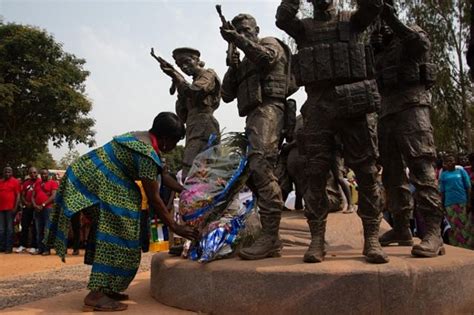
(28, 212)
(9, 200)
(44, 193)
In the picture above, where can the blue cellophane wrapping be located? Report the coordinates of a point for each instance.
(221, 236)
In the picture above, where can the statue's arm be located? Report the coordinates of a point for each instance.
(264, 54)
(229, 85)
(416, 43)
(366, 14)
(286, 19)
(204, 84)
(181, 108)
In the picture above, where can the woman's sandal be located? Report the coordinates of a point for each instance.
(117, 296)
(105, 304)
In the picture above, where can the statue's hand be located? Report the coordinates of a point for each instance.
(235, 61)
(168, 70)
(229, 34)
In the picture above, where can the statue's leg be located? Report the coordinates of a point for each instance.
(263, 131)
(360, 151)
(318, 147)
(419, 153)
(192, 148)
(395, 181)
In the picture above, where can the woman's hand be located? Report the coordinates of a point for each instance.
(186, 231)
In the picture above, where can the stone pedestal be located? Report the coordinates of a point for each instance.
(343, 284)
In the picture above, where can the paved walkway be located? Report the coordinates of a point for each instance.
(71, 303)
(44, 285)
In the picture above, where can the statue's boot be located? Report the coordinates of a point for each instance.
(316, 252)
(373, 251)
(400, 234)
(268, 244)
(432, 243)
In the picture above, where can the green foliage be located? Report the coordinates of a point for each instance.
(174, 159)
(42, 95)
(43, 160)
(68, 158)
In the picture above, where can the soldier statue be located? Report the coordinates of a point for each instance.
(404, 75)
(260, 83)
(336, 69)
(196, 102)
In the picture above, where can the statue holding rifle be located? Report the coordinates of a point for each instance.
(196, 101)
(261, 83)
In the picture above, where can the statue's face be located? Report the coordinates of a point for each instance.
(188, 64)
(248, 29)
(322, 5)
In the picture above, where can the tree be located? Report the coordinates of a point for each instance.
(68, 158)
(42, 95)
(447, 25)
(44, 160)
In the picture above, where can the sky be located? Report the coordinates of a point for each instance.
(126, 85)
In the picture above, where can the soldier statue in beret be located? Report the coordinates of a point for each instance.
(197, 100)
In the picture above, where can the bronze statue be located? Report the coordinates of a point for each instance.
(196, 102)
(260, 83)
(291, 174)
(290, 168)
(336, 69)
(404, 75)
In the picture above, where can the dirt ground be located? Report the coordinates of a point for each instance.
(24, 263)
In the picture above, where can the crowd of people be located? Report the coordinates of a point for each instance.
(25, 209)
(26, 204)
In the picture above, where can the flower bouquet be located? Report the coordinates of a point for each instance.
(215, 178)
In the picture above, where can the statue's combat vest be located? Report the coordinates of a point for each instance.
(255, 83)
(394, 71)
(332, 55)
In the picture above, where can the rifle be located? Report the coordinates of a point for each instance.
(166, 64)
(231, 46)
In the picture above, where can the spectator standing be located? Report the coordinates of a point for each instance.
(9, 200)
(27, 215)
(455, 188)
(43, 197)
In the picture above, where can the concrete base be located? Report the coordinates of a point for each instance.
(343, 284)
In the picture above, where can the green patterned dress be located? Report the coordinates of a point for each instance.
(102, 181)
